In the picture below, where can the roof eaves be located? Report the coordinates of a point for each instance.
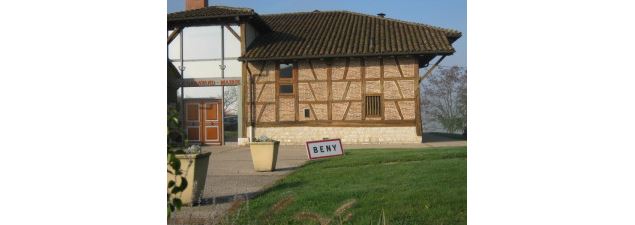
(205, 17)
(259, 23)
(450, 52)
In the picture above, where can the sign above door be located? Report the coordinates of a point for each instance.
(208, 82)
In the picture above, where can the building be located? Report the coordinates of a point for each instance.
(331, 74)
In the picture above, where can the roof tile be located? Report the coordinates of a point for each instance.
(210, 12)
(343, 33)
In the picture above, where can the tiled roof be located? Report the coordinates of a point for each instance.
(346, 34)
(211, 12)
(215, 14)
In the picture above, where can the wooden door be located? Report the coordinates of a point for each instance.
(193, 121)
(213, 123)
(204, 124)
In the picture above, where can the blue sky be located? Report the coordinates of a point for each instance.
(444, 13)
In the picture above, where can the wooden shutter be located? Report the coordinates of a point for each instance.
(373, 105)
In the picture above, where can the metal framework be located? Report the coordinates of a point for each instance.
(179, 31)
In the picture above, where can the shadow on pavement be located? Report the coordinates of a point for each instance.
(433, 137)
(242, 196)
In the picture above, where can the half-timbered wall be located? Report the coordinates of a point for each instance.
(334, 91)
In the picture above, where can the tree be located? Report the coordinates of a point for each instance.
(445, 98)
(231, 100)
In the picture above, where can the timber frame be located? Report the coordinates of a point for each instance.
(310, 82)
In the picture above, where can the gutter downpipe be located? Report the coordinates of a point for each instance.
(182, 69)
(252, 107)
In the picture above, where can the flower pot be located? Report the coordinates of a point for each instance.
(194, 168)
(264, 155)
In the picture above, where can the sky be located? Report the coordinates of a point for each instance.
(450, 14)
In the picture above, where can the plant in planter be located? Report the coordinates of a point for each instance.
(187, 166)
(264, 153)
(194, 171)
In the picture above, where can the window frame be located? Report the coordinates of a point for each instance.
(285, 93)
(379, 106)
(286, 80)
(307, 110)
(279, 71)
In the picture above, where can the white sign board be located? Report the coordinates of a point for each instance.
(324, 148)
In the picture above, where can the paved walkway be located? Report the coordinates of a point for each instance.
(231, 178)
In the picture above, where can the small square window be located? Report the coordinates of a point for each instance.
(286, 70)
(286, 89)
(307, 113)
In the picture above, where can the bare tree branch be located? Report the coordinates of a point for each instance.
(445, 98)
(230, 106)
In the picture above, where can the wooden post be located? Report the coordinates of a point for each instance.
(173, 35)
(432, 68)
(233, 32)
(418, 124)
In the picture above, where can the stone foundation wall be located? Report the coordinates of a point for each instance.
(348, 135)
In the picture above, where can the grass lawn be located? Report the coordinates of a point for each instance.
(410, 186)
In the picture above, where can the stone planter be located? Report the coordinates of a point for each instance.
(264, 155)
(194, 167)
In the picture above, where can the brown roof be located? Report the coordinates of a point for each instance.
(210, 12)
(215, 14)
(346, 34)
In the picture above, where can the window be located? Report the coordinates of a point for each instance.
(286, 70)
(286, 88)
(307, 113)
(285, 79)
(373, 105)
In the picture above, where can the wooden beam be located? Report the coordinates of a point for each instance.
(276, 90)
(296, 91)
(174, 33)
(339, 123)
(399, 109)
(233, 32)
(243, 41)
(329, 84)
(312, 71)
(346, 112)
(348, 84)
(419, 126)
(313, 112)
(381, 88)
(431, 69)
